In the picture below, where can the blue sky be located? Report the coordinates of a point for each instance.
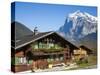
(47, 17)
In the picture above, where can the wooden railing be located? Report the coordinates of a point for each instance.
(49, 51)
(79, 52)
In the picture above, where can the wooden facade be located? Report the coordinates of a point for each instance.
(78, 54)
(39, 60)
(51, 49)
(81, 53)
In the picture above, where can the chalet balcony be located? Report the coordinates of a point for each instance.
(76, 52)
(49, 51)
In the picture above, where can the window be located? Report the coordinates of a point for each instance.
(57, 59)
(20, 60)
(61, 58)
(34, 45)
(40, 45)
(30, 61)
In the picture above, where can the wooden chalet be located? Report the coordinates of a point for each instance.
(38, 50)
(82, 52)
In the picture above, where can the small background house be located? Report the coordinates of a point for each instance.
(82, 52)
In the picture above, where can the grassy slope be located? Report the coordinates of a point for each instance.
(92, 60)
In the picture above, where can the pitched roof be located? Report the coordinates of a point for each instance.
(22, 41)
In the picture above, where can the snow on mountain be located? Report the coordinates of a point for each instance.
(78, 25)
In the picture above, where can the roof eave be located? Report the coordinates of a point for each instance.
(33, 40)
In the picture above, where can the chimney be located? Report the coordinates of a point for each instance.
(35, 31)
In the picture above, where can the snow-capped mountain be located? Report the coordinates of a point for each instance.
(80, 27)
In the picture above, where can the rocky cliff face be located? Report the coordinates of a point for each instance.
(80, 27)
